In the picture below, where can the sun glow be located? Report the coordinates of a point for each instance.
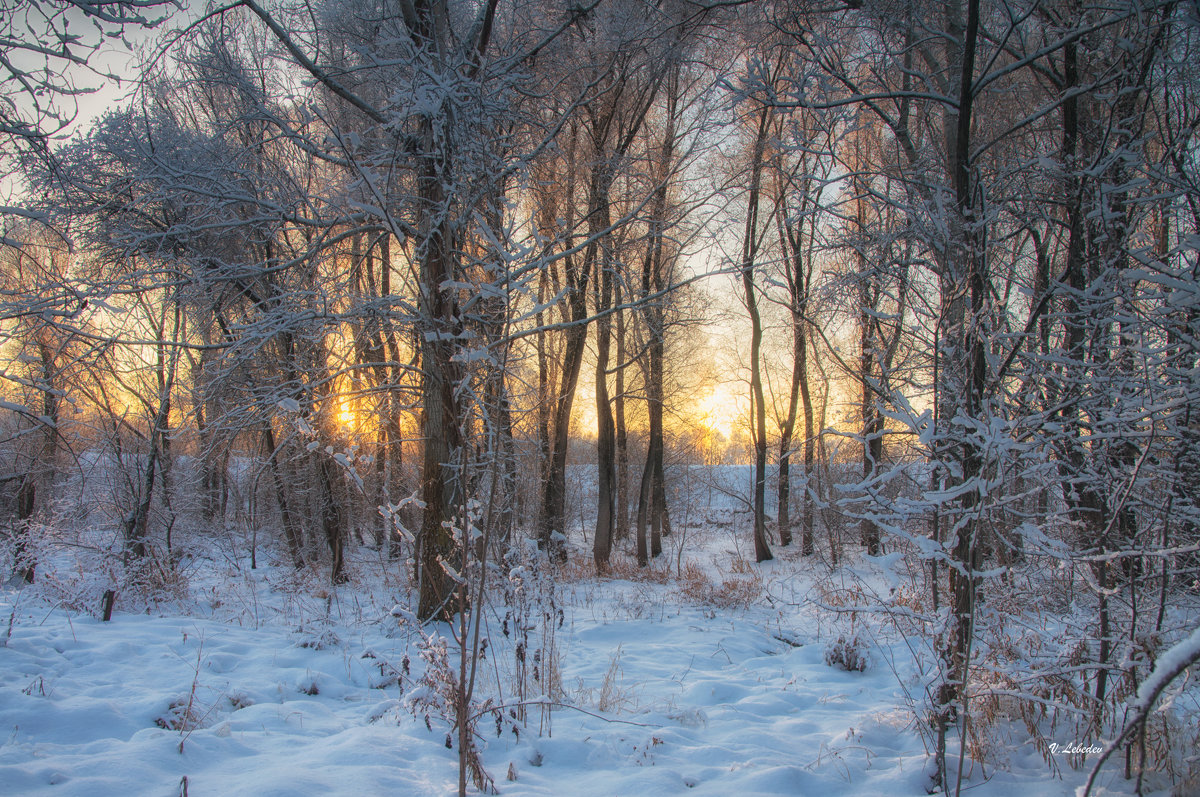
(346, 416)
(718, 411)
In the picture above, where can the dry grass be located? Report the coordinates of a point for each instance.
(840, 596)
(184, 714)
(181, 715)
(620, 568)
(741, 565)
(738, 591)
(626, 568)
(612, 696)
(694, 584)
(911, 598)
(576, 568)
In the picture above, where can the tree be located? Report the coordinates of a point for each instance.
(955, 119)
(751, 242)
(48, 53)
(41, 355)
(602, 190)
(43, 55)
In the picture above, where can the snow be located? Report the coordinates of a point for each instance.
(721, 706)
(268, 682)
(1171, 663)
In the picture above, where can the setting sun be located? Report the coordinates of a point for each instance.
(718, 411)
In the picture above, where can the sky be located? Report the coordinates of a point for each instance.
(102, 85)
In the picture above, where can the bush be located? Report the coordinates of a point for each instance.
(847, 654)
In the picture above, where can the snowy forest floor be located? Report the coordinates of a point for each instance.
(696, 678)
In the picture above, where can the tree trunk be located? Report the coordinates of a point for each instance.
(655, 490)
(963, 372)
(441, 483)
(606, 488)
(292, 530)
(23, 557)
(807, 542)
(799, 253)
(552, 520)
(546, 381)
(758, 406)
(622, 528)
(333, 520)
(137, 522)
(643, 512)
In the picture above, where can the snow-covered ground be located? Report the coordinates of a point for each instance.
(260, 682)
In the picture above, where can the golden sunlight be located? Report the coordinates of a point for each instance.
(718, 411)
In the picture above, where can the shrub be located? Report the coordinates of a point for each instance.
(847, 654)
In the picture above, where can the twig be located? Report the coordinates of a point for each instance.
(12, 618)
(556, 704)
(187, 724)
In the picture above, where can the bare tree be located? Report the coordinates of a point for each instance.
(49, 60)
(751, 244)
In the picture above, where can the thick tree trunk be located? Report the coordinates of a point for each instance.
(546, 380)
(797, 297)
(762, 550)
(502, 509)
(963, 376)
(214, 453)
(393, 478)
(606, 473)
(872, 429)
(441, 422)
(440, 482)
(559, 393)
(137, 522)
(645, 493)
(965, 369)
(38, 482)
(784, 490)
(157, 461)
(552, 520)
(651, 515)
(652, 498)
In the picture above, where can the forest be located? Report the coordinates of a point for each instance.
(489, 356)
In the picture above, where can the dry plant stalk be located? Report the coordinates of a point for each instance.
(612, 696)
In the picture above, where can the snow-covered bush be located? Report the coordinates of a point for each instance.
(847, 653)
